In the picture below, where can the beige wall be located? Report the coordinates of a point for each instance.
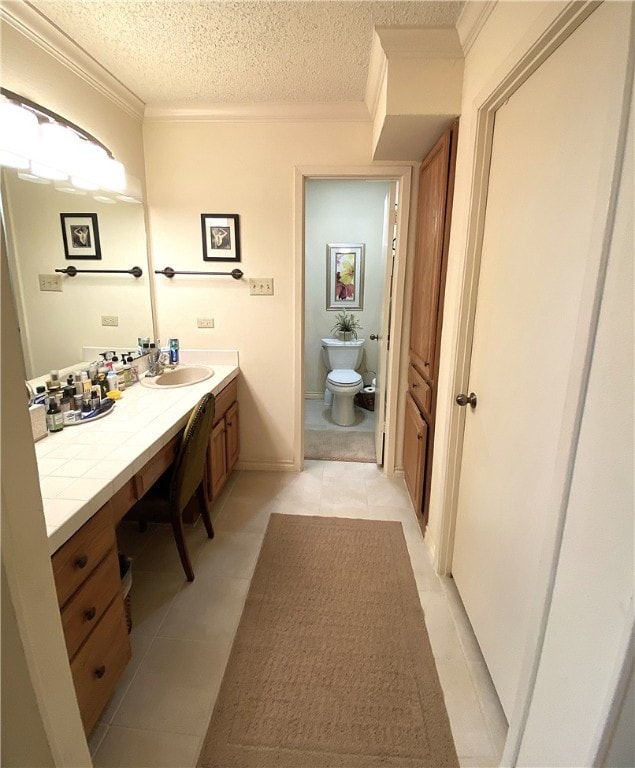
(248, 169)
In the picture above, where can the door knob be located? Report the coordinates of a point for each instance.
(466, 399)
(374, 337)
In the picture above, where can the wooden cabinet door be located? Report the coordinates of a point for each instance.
(232, 436)
(414, 452)
(217, 459)
(429, 268)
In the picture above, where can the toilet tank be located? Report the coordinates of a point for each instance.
(343, 354)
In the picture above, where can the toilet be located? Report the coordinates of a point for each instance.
(343, 382)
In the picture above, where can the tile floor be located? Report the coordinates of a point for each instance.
(182, 632)
(316, 416)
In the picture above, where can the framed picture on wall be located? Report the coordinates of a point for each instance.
(81, 236)
(345, 276)
(221, 238)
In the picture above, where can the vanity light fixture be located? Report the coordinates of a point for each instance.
(47, 147)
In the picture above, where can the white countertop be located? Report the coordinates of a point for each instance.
(82, 466)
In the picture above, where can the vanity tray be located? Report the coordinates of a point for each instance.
(90, 418)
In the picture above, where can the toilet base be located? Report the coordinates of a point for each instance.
(343, 410)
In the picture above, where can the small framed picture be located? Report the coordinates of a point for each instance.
(81, 236)
(221, 238)
(345, 276)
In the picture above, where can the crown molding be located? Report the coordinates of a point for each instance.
(28, 21)
(377, 69)
(268, 112)
(471, 20)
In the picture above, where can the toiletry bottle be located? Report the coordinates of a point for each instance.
(86, 384)
(173, 344)
(112, 381)
(117, 367)
(127, 372)
(53, 383)
(54, 418)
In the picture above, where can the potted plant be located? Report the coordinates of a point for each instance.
(346, 326)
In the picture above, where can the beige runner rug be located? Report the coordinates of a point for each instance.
(331, 665)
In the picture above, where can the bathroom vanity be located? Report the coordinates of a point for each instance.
(90, 476)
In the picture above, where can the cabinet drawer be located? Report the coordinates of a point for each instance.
(419, 389)
(152, 471)
(84, 610)
(77, 559)
(100, 662)
(224, 399)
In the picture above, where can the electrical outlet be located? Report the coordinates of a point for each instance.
(204, 322)
(261, 286)
(50, 282)
(110, 320)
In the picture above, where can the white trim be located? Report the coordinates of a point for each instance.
(403, 174)
(349, 111)
(36, 27)
(266, 466)
(472, 20)
(525, 59)
(612, 709)
(377, 69)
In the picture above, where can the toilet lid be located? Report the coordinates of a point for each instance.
(344, 377)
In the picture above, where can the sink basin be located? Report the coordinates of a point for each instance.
(183, 376)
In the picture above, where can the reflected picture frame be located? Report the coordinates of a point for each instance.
(80, 232)
(345, 276)
(221, 237)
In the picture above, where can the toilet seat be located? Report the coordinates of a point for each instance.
(344, 377)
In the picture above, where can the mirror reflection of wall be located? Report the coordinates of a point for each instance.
(55, 326)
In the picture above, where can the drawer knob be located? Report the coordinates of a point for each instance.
(90, 614)
(100, 671)
(81, 561)
(414, 385)
(419, 436)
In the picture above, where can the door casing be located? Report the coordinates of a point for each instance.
(402, 174)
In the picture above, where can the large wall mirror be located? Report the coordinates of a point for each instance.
(105, 310)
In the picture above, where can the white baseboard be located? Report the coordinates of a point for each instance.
(266, 466)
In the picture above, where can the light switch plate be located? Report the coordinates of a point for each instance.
(204, 322)
(261, 286)
(110, 320)
(50, 282)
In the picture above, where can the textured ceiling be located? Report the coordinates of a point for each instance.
(185, 52)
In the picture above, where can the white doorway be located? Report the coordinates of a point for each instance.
(308, 347)
(551, 166)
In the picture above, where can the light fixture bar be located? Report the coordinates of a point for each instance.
(48, 113)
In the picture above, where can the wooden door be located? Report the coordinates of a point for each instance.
(431, 244)
(414, 451)
(552, 142)
(436, 189)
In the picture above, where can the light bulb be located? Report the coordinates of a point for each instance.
(18, 135)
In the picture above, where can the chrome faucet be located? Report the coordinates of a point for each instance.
(156, 367)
